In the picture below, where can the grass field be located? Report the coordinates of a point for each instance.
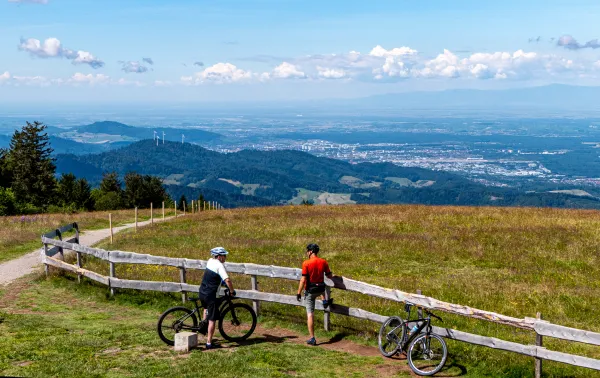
(82, 333)
(509, 260)
(21, 234)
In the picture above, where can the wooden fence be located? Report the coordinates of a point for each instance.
(540, 327)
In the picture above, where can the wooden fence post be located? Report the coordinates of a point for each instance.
(204, 205)
(112, 275)
(46, 269)
(419, 310)
(110, 226)
(163, 208)
(151, 214)
(175, 207)
(136, 219)
(79, 264)
(327, 311)
(255, 304)
(538, 342)
(182, 276)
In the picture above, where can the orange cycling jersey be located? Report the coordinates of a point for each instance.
(314, 268)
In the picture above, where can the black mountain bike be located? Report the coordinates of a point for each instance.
(236, 321)
(426, 352)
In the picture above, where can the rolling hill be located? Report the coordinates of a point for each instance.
(253, 177)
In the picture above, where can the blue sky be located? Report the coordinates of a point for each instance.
(82, 50)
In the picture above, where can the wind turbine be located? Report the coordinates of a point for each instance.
(155, 134)
(182, 138)
(163, 137)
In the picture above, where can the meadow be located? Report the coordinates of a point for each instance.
(514, 261)
(21, 234)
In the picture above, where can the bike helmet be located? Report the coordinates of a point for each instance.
(313, 248)
(218, 251)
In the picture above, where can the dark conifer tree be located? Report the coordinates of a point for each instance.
(182, 199)
(32, 166)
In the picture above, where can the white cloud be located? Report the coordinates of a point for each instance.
(133, 67)
(397, 51)
(52, 48)
(162, 83)
(288, 71)
(90, 79)
(332, 73)
(40, 81)
(219, 73)
(5, 77)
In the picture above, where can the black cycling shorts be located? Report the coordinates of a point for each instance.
(212, 308)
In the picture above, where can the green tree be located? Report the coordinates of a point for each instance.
(109, 201)
(7, 202)
(32, 166)
(5, 173)
(201, 201)
(110, 194)
(66, 189)
(141, 190)
(182, 199)
(82, 195)
(110, 183)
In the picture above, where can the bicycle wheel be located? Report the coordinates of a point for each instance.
(174, 320)
(427, 354)
(237, 322)
(390, 336)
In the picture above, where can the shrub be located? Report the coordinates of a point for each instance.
(7, 202)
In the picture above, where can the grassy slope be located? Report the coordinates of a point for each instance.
(21, 234)
(82, 333)
(512, 261)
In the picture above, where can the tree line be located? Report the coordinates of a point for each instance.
(28, 182)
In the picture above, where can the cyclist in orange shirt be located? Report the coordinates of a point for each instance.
(313, 283)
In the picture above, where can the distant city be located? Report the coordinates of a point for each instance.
(560, 154)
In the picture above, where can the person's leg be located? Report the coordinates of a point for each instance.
(211, 331)
(212, 317)
(311, 324)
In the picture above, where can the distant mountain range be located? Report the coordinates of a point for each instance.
(107, 135)
(258, 178)
(548, 98)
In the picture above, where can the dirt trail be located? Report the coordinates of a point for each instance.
(391, 367)
(13, 269)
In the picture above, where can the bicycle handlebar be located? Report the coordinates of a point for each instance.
(434, 315)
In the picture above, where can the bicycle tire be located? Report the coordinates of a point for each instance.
(426, 368)
(384, 342)
(173, 326)
(244, 314)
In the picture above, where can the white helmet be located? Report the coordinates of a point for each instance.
(218, 251)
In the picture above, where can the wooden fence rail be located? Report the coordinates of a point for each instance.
(541, 327)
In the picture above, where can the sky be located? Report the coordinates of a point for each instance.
(120, 51)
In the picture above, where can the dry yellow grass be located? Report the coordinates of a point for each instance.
(21, 234)
(515, 261)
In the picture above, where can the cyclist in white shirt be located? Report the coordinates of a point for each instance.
(214, 275)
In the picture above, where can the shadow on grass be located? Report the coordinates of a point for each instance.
(265, 338)
(336, 338)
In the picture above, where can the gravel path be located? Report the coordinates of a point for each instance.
(13, 269)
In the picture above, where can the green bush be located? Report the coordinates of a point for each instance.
(109, 201)
(7, 202)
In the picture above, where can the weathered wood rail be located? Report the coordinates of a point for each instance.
(540, 327)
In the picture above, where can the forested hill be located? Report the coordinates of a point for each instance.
(292, 176)
(117, 128)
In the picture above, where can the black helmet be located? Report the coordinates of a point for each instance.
(313, 248)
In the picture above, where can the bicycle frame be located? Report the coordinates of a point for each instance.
(198, 310)
(425, 323)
